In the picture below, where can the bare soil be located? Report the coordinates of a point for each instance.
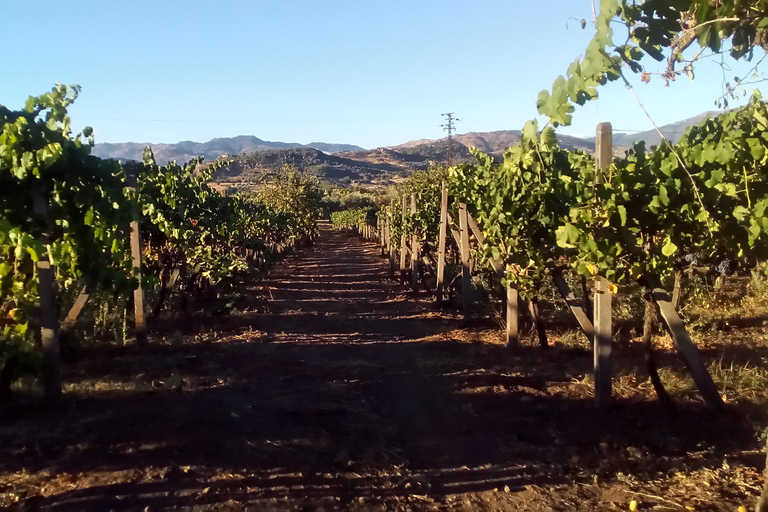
(332, 388)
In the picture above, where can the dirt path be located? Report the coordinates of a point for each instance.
(331, 389)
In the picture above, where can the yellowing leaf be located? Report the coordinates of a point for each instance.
(613, 288)
(669, 247)
(633, 505)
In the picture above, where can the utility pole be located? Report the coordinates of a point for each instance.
(448, 126)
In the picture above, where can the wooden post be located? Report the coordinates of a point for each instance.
(390, 242)
(688, 350)
(415, 250)
(403, 242)
(603, 149)
(132, 172)
(466, 277)
(49, 336)
(441, 243)
(513, 339)
(382, 235)
(602, 345)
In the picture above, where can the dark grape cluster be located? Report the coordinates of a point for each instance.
(727, 267)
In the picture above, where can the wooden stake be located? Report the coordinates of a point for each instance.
(455, 234)
(46, 282)
(688, 350)
(602, 345)
(77, 307)
(441, 244)
(415, 249)
(132, 172)
(382, 236)
(466, 277)
(603, 150)
(649, 319)
(403, 241)
(512, 316)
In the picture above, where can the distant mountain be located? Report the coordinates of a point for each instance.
(672, 131)
(186, 150)
(348, 164)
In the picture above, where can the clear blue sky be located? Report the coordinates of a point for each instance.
(366, 72)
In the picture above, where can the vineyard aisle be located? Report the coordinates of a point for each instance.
(331, 388)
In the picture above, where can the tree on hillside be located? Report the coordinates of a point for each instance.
(680, 32)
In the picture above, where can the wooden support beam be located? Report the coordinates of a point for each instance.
(403, 241)
(455, 234)
(390, 242)
(602, 345)
(382, 236)
(439, 292)
(48, 317)
(132, 173)
(512, 318)
(466, 277)
(414, 250)
(475, 229)
(603, 150)
(497, 265)
(77, 307)
(688, 350)
(578, 310)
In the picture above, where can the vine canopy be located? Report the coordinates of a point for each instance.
(662, 29)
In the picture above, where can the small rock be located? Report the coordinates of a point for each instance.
(507, 489)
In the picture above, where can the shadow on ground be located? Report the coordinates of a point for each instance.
(343, 391)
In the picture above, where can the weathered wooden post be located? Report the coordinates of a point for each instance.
(466, 277)
(603, 149)
(512, 317)
(602, 345)
(441, 244)
(415, 250)
(132, 174)
(382, 235)
(688, 350)
(602, 306)
(403, 241)
(390, 242)
(46, 282)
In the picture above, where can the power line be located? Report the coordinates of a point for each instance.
(448, 126)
